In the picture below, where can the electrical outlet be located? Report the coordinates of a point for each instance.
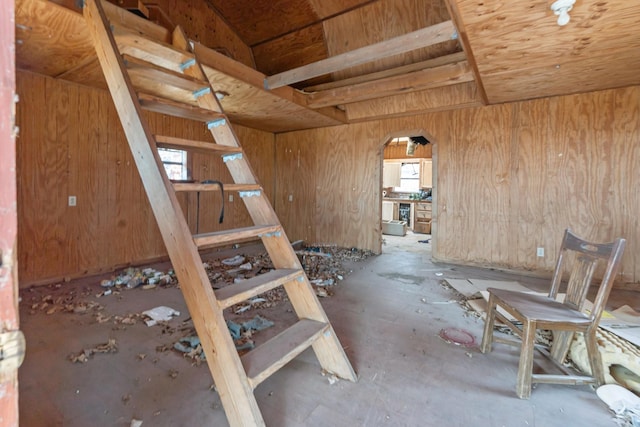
(231, 197)
(72, 200)
(540, 252)
(291, 197)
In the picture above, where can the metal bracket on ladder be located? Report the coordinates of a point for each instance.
(216, 123)
(253, 193)
(201, 92)
(229, 157)
(188, 63)
(274, 234)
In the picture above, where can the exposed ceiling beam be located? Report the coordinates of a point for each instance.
(444, 75)
(455, 14)
(434, 34)
(429, 63)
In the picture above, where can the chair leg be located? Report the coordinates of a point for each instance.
(595, 360)
(489, 321)
(525, 367)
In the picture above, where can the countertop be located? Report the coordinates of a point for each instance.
(392, 199)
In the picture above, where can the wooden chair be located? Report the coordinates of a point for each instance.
(544, 312)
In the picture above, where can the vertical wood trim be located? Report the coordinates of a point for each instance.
(9, 320)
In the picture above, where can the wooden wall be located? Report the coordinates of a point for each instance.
(510, 178)
(201, 23)
(71, 143)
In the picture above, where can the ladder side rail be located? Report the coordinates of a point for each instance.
(327, 348)
(223, 361)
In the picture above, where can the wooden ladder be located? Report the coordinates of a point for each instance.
(149, 68)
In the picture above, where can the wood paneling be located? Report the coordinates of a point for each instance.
(431, 100)
(293, 50)
(202, 24)
(71, 144)
(522, 53)
(384, 20)
(54, 40)
(50, 39)
(510, 178)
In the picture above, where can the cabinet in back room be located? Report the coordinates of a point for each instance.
(422, 223)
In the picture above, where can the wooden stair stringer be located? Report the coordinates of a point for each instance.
(327, 347)
(224, 364)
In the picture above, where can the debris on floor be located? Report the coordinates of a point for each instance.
(83, 357)
(159, 314)
(241, 333)
(624, 404)
(458, 337)
(619, 354)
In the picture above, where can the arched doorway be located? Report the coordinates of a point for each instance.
(408, 191)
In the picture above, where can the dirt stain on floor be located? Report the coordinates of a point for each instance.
(403, 278)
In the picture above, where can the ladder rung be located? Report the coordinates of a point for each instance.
(156, 52)
(164, 141)
(267, 358)
(144, 71)
(247, 289)
(199, 186)
(177, 109)
(223, 237)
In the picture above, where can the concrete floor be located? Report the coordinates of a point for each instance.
(387, 312)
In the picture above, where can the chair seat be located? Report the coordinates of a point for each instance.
(535, 307)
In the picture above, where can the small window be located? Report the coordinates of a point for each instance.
(175, 163)
(410, 177)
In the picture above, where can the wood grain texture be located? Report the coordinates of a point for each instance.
(71, 143)
(526, 170)
(202, 24)
(47, 30)
(522, 53)
(299, 48)
(463, 95)
(384, 20)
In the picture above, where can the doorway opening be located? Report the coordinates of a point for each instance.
(407, 191)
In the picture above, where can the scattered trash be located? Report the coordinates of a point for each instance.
(241, 334)
(236, 260)
(458, 337)
(258, 323)
(160, 314)
(332, 378)
(439, 274)
(136, 423)
(83, 357)
(624, 404)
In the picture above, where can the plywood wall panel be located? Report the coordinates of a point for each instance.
(372, 23)
(510, 178)
(296, 187)
(71, 143)
(463, 95)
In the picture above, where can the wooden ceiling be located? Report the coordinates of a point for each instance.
(505, 52)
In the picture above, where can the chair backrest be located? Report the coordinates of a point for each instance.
(588, 256)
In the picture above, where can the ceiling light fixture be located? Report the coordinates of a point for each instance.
(562, 8)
